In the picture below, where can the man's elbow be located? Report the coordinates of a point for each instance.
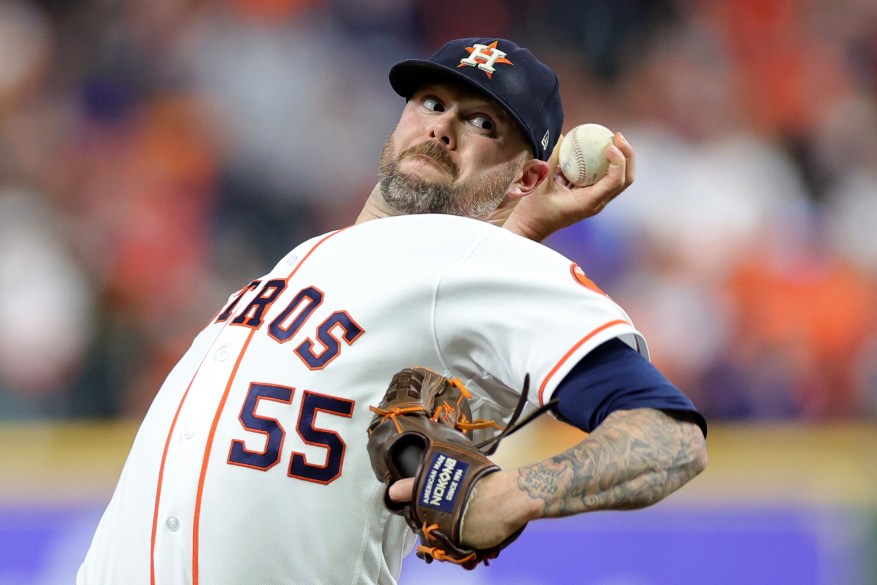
(694, 455)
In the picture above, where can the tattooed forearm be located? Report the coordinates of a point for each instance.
(634, 459)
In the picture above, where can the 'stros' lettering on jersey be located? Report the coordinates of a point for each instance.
(316, 353)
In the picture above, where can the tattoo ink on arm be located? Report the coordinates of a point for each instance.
(633, 460)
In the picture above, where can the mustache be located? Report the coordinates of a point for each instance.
(434, 151)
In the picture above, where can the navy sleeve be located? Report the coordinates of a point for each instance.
(613, 377)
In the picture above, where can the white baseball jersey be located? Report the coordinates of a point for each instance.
(251, 464)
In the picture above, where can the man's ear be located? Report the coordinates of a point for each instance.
(531, 175)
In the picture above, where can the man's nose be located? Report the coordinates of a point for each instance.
(443, 128)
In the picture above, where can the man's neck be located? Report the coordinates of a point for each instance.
(375, 207)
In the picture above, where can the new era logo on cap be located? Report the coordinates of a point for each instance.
(511, 75)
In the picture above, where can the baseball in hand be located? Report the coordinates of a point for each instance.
(582, 158)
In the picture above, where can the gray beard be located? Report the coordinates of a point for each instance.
(476, 198)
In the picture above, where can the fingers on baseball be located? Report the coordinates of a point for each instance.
(616, 176)
(630, 159)
(621, 169)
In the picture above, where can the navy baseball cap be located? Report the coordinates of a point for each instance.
(525, 87)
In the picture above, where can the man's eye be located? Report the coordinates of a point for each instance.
(433, 105)
(483, 122)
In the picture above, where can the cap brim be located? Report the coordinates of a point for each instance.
(407, 76)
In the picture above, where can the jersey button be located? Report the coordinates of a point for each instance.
(173, 524)
(222, 354)
(188, 432)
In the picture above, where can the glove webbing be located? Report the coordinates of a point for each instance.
(457, 421)
(461, 424)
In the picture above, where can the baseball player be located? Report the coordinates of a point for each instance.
(251, 464)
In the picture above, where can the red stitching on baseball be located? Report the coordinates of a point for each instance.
(580, 159)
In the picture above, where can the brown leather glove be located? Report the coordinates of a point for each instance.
(421, 429)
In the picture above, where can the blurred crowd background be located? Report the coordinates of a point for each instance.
(156, 155)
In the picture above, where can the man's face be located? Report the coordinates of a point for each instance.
(454, 152)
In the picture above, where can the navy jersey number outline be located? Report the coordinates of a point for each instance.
(312, 403)
(299, 467)
(256, 423)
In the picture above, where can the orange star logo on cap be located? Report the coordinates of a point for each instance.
(484, 57)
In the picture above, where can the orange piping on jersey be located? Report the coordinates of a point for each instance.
(572, 350)
(216, 417)
(197, 519)
(161, 478)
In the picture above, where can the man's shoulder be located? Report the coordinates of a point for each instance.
(439, 227)
(427, 221)
(434, 238)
